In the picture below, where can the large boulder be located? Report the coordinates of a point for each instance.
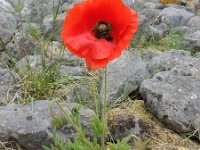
(125, 74)
(31, 125)
(167, 60)
(172, 95)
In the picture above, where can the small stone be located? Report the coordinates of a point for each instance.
(192, 40)
(22, 45)
(123, 122)
(50, 26)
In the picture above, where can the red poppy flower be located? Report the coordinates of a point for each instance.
(98, 30)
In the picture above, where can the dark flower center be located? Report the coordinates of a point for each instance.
(102, 30)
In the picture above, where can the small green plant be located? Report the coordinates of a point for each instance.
(58, 144)
(55, 10)
(40, 84)
(119, 145)
(19, 6)
(124, 95)
(44, 83)
(81, 140)
(97, 127)
(35, 33)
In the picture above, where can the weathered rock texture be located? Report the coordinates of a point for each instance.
(31, 125)
(172, 95)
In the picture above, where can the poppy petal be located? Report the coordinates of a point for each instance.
(126, 35)
(87, 46)
(93, 64)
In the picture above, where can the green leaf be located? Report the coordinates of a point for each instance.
(97, 127)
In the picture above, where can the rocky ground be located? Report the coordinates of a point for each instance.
(153, 88)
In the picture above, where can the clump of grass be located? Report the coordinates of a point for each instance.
(170, 41)
(84, 91)
(38, 85)
(45, 84)
(34, 33)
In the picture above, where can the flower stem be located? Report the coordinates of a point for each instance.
(104, 117)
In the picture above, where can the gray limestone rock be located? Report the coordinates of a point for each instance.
(5, 37)
(22, 45)
(71, 60)
(123, 123)
(31, 125)
(157, 31)
(150, 14)
(6, 6)
(8, 21)
(50, 27)
(194, 22)
(31, 63)
(81, 93)
(167, 60)
(126, 72)
(30, 27)
(37, 10)
(192, 40)
(72, 71)
(56, 51)
(172, 95)
(174, 17)
(7, 80)
(153, 5)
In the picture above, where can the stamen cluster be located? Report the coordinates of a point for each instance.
(102, 30)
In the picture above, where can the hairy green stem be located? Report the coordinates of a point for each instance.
(104, 117)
